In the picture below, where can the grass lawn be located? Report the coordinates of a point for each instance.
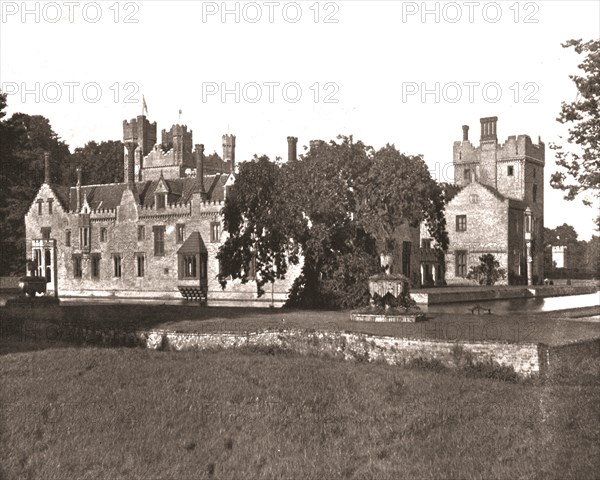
(111, 413)
(552, 328)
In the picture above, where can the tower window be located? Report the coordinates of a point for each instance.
(46, 233)
(141, 233)
(467, 174)
(510, 170)
(77, 271)
(103, 234)
(84, 237)
(215, 231)
(140, 260)
(117, 265)
(461, 263)
(180, 229)
(461, 223)
(534, 193)
(159, 241)
(190, 266)
(95, 265)
(67, 238)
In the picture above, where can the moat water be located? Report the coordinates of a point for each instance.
(519, 305)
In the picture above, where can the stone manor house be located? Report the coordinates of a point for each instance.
(156, 234)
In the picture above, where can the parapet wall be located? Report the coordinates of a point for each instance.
(527, 360)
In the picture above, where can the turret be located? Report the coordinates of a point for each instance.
(229, 151)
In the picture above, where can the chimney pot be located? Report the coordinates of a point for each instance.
(130, 171)
(488, 128)
(78, 189)
(465, 129)
(47, 168)
(200, 169)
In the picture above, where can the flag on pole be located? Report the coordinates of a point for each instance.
(144, 106)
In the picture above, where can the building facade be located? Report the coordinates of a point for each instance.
(157, 233)
(498, 207)
(154, 235)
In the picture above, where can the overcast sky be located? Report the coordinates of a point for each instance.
(407, 73)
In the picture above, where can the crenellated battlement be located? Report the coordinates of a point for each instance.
(170, 209)
(140, 131)
(521, 146)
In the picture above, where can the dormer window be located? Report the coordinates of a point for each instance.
(161, 200)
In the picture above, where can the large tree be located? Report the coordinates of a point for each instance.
(260, 230)
(322, 188)
(320, 206)
(24, 139)
(99, 162)
(582, 157)
(399, 192)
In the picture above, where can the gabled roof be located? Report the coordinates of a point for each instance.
(108, 196)
(193, 245)
(493, 191)
(62, 195)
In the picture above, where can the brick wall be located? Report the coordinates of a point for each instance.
(161, 275)
(487, 229)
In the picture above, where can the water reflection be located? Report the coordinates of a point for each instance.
(548, 304)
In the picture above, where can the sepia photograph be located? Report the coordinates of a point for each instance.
(299, 239)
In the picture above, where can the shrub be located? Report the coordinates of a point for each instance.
(488, 272)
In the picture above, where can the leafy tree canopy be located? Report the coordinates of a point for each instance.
(582, 160)
(23, 141)
(99, 162)
(333, 205)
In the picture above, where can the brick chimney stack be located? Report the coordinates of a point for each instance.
(47, 168)
(488, 129)
(229, 151)
(200, 169)
(130, 170)
(465, 129)
(292, 143)
(78, 188)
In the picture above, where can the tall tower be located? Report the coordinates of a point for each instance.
(229, 151)
(140, 131)
(180, 139)
(489, 145)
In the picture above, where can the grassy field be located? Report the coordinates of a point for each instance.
(111, 413)
(45, 324)
(76, 412)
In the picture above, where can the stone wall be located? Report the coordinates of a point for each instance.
(523, 358)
